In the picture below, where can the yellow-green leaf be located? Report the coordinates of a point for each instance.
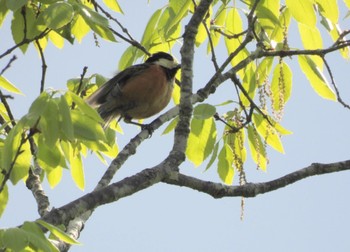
(219, 22)
(281, 86)
(201, 140)
(86, 128)
(303, 11)
(76, 168)
(113, 5)
(56, 39)
(234, 25)
(329, 9)
(15, 239)
(204, 111)
(58, 232)
(150, 30)
(54, 176)
(316, 78)
(312, 39)
(65, 119)
(268, 132)
(263, 70)
(257, 148)
(6, 84)
(3, 11)
(225, 169)
(171, 126)
(57, 15)
(79, 28)
(4, 197)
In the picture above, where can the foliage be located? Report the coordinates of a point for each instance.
(59, 128)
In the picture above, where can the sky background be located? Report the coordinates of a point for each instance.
(310, 215)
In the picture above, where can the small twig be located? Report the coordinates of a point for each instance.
(129, 38)
(7, 174)
(14, 57)
(81, 82)
(340, 100)
(7, 107)
(25, 41)
(43, 66)
(341, 37)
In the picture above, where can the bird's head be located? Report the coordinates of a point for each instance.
(165, 60)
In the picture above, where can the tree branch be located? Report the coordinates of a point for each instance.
(217, 190)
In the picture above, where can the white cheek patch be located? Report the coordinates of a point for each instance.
(167, 63)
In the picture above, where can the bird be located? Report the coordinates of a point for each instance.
(138, 92)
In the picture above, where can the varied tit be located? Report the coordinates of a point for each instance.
(138, 92)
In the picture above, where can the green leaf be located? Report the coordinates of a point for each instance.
(54, 176)
(22, 164)
(249, 84)
(58, 232)
(57, 15)
(219, 23)
(347, 2)
(178, 9)
(268, 13)
(16, 154)
(312, 39)
(303, 11)
(49, 124)
(95, 21)
(284, 21)
(15, 5)
(17, 28)
(201, 140)
(329, 9)
(281, 86)
(316, 78)
(4, 83)
(36, 237)
(37, 109)
(49, 156)
(150, 30)
(4, 197)
(171, 126)
(56, 39)
(257, 148)
(204, 111)
(234, 25)
(15, 239)
(225, 169)
(65, 120)
(263, 70)
(84, 107)
(76, 168)
(237, 145)
(86, 128)
(268, 132)
(128, 58)
(113, 5)
(79, 28)
(3, 11)
(213, 156)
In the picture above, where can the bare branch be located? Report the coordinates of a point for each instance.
(340, 100)
(217, 190)
(25, 41)
(43, 66)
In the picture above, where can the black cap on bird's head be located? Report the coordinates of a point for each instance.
(165, 60)
(159, 55)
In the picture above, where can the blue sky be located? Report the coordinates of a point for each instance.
(311, 215)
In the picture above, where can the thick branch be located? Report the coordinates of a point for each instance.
(111, 193)
(218, 190)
